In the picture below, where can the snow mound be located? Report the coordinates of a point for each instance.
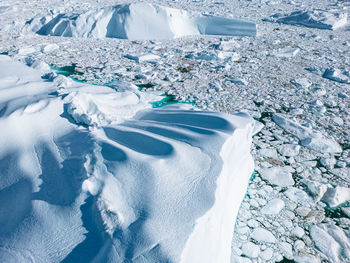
(314, 19)
(94, 174)
(140, 21)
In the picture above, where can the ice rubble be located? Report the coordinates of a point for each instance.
(308, 137)
(140, 21)
(93, 173)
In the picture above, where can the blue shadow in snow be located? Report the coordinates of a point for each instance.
(61, 182)
(139, 142)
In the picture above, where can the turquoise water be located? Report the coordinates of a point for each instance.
(167, 99)
(66, 70)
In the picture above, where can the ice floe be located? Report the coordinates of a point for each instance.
(281, 176)
(273, 207)
(332, 241)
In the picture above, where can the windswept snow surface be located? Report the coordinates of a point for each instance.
(140, 21)
(94, 174)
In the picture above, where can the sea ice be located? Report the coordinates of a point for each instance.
(289, 150)
(332, 241)
(251, 250)
(336, 196)
(273, 207)
(281, 176)
(263, 235)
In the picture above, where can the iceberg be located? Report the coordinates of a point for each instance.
(314, 19)
(94, 174)
(140, 21)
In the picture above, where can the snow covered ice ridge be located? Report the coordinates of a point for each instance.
(94, 174)
(140, 21)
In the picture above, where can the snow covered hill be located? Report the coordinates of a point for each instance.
(94, 174)
(140, 21)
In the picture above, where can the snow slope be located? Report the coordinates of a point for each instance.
(93, 174)
(140, 21)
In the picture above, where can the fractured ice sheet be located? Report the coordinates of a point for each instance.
(140, 21)
(78, 183)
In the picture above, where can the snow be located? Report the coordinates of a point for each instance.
(215, 73)
(94, 173)
(142, 21)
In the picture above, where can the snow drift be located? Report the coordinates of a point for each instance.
(94, 174)
(140, 21)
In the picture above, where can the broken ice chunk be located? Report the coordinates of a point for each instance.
(338, 75)
(314, 19)
(287, 52)
(308, 137)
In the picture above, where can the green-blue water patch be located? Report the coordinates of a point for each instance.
(66, 70)
(168, 100)
(69, 71)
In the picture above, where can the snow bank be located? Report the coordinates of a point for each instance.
(140, 21)
(81, 183)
